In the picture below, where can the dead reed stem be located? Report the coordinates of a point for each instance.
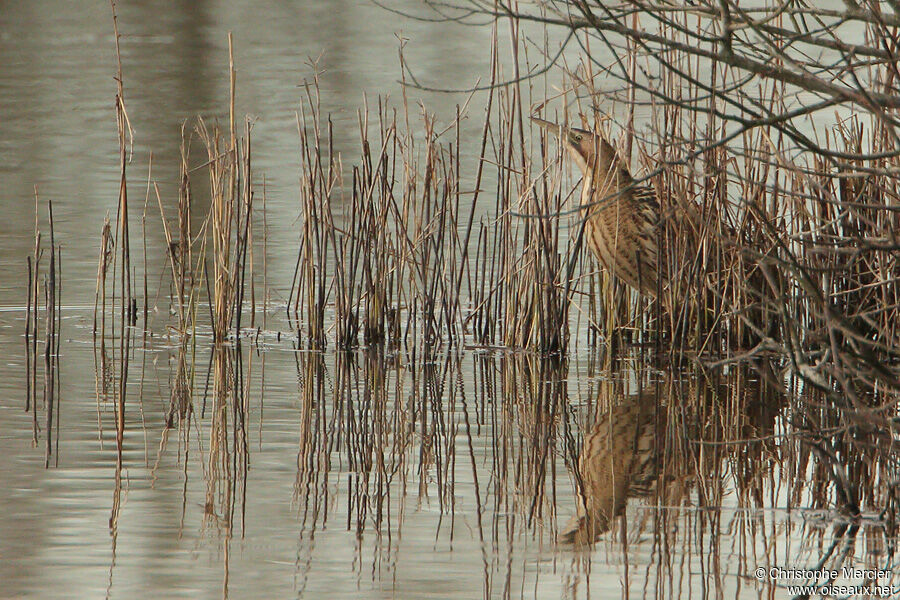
(51, 284)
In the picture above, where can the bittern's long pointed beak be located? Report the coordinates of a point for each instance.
(578, 142)
(550, 126)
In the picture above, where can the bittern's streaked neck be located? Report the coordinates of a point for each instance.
(581, 144)
(620, 218)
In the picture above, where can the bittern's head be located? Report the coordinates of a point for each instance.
(581, 144)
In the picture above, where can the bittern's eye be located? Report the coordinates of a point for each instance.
(576, 137)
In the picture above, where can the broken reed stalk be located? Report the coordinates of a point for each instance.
(121, 266)
(51, 341)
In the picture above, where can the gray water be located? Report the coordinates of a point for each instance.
(478, 453)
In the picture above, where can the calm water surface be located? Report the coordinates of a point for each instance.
(365, 475)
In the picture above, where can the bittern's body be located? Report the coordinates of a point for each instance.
(624, 229)
(621, 218)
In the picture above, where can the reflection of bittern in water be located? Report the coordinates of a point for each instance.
(648, 445)
(620, 455)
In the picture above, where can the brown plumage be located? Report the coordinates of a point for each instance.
(666, 254)
(619, 460)
(665, 440)
(622, 218)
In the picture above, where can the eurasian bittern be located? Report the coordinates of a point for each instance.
(624, 228)
(621, 218)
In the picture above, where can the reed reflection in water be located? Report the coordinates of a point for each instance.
(539, 478)
(483, 474)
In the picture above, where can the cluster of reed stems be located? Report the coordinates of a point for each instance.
(393, 245)
(380, 245)
(214, 254)
(51, 284)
